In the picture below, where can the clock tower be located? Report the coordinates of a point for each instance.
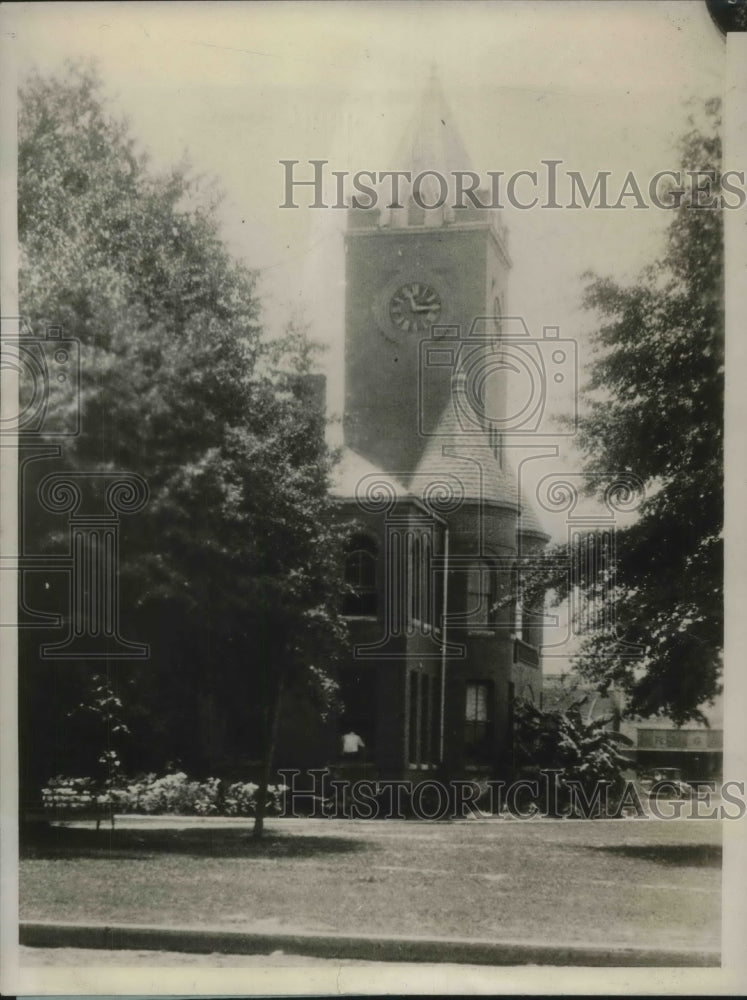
(416, 276)
(440, 645)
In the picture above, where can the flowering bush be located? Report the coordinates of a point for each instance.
(70, 794)
(150, 794)
(172, 793)
(240, 799)
(276, 793)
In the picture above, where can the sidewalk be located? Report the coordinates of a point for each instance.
(365, 947)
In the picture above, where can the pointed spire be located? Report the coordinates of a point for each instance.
(432, 152)
(432, 140)
(431, 146)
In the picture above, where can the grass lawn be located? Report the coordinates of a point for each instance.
(637, 882)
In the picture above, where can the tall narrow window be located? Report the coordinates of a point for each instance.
(478, 721)
(438, 577)
(420, 593)
(529, 617)
(416, 578)
(423, 715)
(426, 719)
(517, 612)
(360, 575)
(496, 443)
(480, 597)
(435, 717)
(525, 616)
(511, 718)
(413, 741)
(526, 625)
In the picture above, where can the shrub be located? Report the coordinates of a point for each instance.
(172, 793)
(582, 750)
(240, 799)
(69, 794)
(169, 794)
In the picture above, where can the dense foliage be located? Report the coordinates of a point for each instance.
(580, 749)
(67, 798)
(654, 411)
(231, 571)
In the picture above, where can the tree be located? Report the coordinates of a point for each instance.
(101, 728)
(231, 572)
(655, 410)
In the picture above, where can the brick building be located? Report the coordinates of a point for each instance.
(441, 644)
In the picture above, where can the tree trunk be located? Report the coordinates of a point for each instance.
(271, 736)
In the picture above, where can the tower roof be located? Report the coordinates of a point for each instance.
(465, 462)
(352, 473)
(465, 458)
(432, 140)
(354, 478)
(432, 152)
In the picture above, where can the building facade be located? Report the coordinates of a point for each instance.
(441, 644)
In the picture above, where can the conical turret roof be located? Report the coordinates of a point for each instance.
(466, 456)
(460, 454)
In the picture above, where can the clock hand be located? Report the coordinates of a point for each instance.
(410, 295)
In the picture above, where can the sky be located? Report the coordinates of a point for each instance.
(601, 86)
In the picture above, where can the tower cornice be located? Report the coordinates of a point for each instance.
(388, 232)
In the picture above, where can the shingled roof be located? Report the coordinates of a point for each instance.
(353, 472)
(465, 457)
(529, 520)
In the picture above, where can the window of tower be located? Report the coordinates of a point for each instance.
(360, 575)
(478, 721)
(494, 438)
(423, 719)
(420, 591)
(528, 618)
(480, 595)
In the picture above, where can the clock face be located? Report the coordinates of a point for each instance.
(414, 307)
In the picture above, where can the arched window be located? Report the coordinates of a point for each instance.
(360, 575)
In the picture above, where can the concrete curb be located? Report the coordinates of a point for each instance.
(368, 947)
